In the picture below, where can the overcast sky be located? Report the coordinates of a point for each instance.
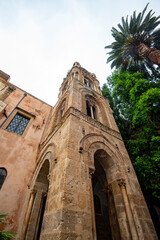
(41, 39)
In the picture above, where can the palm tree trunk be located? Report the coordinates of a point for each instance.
(152, 54)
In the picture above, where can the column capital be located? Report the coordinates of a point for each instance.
(44, 194)
(121, 182)
(33, 191)
(91, 171)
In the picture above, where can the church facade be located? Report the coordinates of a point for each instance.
(65, 173)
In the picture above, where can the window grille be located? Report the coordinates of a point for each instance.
(18, 124)
(3, 174)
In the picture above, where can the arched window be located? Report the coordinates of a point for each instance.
(85, 82)
(77, 75)
(88, 109)
(91, 109)
(3, 174)
(61, 110)
(89, 84)
(65, 87)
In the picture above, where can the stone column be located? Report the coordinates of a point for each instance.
(92, 115)
(44, 194)
(132, 226)
(112, 212)
(28, 213)
(91, 171)
(34, 216)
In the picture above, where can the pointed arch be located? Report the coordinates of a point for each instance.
(48, 153)
(96, 105)
(90, 143)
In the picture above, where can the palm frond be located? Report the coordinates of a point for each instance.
(141, 28)
(156, 39)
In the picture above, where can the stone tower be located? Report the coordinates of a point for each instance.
(84, 185)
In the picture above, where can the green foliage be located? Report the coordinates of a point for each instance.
(141, 28)
(135, 103)
(5, 235)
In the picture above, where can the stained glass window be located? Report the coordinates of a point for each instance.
(18, 124)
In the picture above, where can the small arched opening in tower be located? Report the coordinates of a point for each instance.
(61, 109)
(88, 83)
(91, 107)
(65, 87)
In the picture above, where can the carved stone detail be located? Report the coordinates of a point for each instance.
(121, 182)
(92, 121)
(91, 171)
(49, 177)
(33, 191)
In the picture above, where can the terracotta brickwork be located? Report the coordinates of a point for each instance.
(81, 183)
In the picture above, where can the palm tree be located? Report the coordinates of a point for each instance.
(137, 43)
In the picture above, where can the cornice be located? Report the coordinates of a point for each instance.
(4, 76)
(79, 114)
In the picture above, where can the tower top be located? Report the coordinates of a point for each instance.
(80, 74)
(76, 64)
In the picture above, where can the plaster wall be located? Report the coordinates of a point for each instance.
(18, 156)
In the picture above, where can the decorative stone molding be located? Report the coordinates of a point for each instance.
(91, 99)
(132, 226)
(94, 122)
(76, 64)
(6, 93)
(49, 177)
(91, 171)
(2, 106)
(121, 182)
(77, 113)
(33, 191)
(93, 75)
(4, 76)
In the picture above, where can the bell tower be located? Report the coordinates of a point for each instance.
(93, 192)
